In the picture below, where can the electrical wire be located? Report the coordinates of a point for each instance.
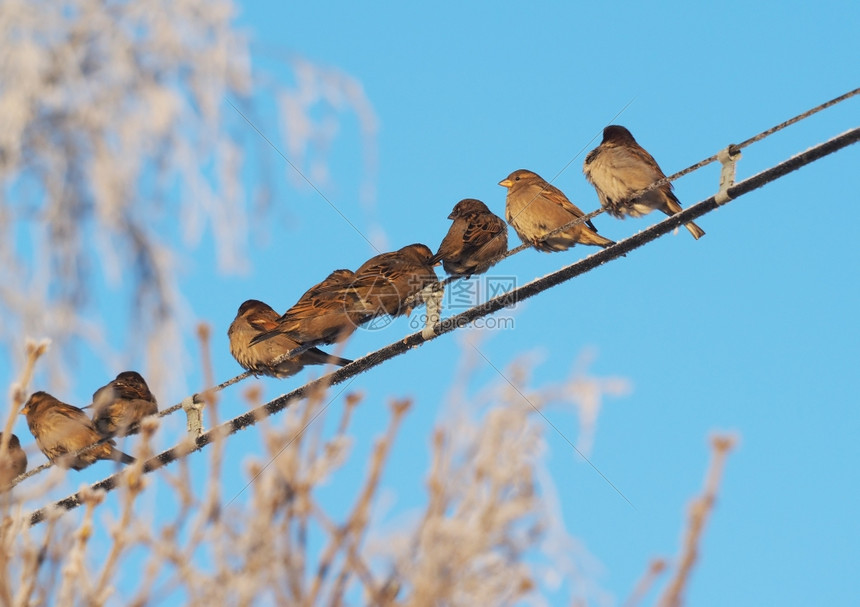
(197, 398)
(461, 320)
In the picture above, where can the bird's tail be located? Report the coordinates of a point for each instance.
(695, 230)
(593, 238)
(119, 456)
(324, 358)
(673, 206)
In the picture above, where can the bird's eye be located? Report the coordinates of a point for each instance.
(516, 178)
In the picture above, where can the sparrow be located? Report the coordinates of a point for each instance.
(62, 429)
(253, 318)
(121, 404)
(385, 282)
(328, 312)
(534, 208)
(619, 167)
(475, 240)
(14, 462)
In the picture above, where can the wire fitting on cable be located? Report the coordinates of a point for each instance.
(728, 157)
(194, 412)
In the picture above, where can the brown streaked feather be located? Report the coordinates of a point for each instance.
(535, 208)
(119, 406)
(328, 312)
(475, 240)
(619, 167)
(14, 462)
(328, 297)
(262, 322)
(483, 227)
(61, 429)
(260, 357)
(384, 282)
(553, 194)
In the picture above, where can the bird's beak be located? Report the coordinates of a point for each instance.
(25, 410)
(506, 183)
(451, 216)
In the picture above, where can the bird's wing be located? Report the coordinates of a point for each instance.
(481, 228)
(452, 244)
(262, 321)
(635, 167)
(556, 196)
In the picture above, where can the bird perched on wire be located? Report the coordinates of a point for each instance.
(253, 318)
(61, 430)
(14, 461)
(328, 312)
(535, 208)
(120, 405)
(475, 240)
(391, 283)
(619, 167)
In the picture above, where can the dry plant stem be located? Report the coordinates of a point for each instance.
(209, 395)
(311, 454)
(181, 485)
(121, 531)
(19, 394)
(10, 528)
(319, 395)
(301, 506)
(352, 400)
(303, 491)
(295, 581)
(169, 549)
(488, 307)
(437, 499)
(30, 570)
(700, 509)
(353, 563)
(361, 516)
(213, 501)
(643, 586)
(357, 521)
(74, 574)
(5, 548)
(200, 527)
(311, 434)
(119, 534)
(300, 588)
(147, 581)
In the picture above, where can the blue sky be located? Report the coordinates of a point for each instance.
(751, 329)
